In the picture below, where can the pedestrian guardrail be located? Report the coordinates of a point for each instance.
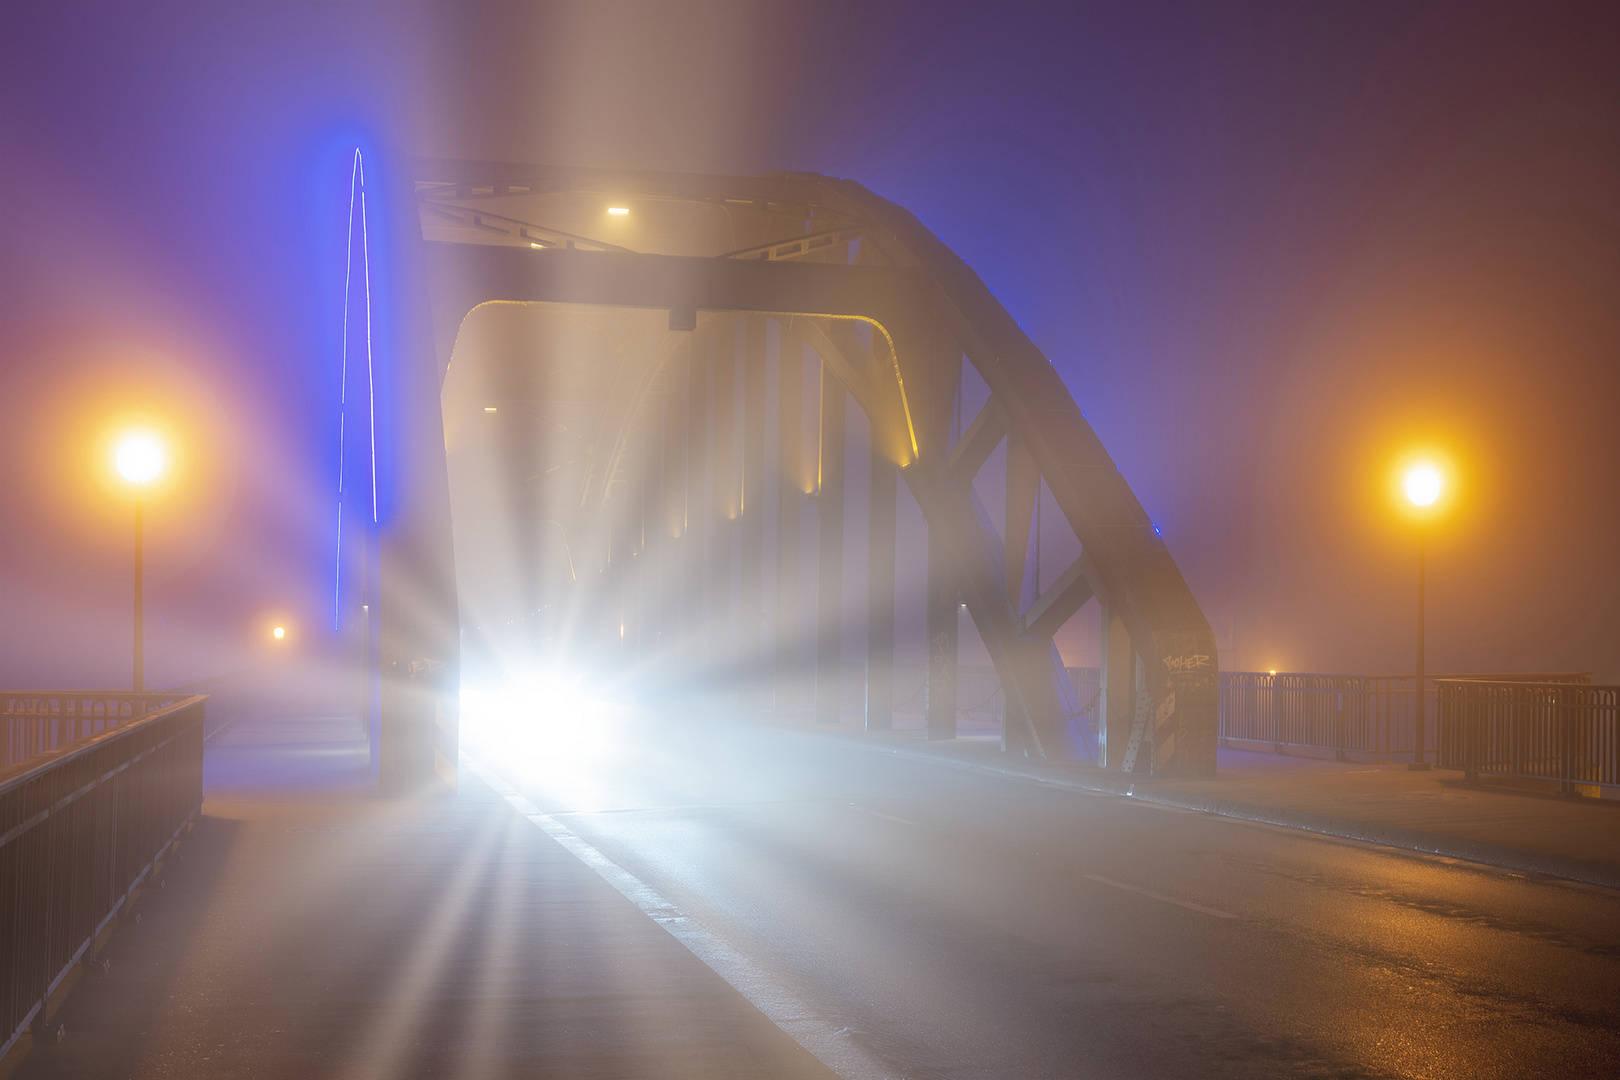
(35, 722)
(81, 826)
(1536, 730)
(1358, 717)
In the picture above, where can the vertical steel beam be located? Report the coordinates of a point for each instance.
(723, 513)
(695, 530)
(1023, 487)
(1116, 697)
(883, 486)
(751, 625)
(670, 542)
(938, 391)
(652, 525)
(830, 549)
(789, 503)
(624, 508)
(943, 632)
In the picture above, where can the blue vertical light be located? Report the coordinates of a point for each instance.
(357, 188)
(371, 389)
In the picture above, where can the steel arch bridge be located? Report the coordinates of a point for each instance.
(659, 290)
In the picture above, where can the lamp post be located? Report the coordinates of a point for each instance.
(139, 460)
(1422, 489)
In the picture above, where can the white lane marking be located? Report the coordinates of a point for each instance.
(881, 814)
(1188, 904)
(826, 1039)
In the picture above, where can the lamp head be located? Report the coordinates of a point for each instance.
(1423, 485)
(139, 458)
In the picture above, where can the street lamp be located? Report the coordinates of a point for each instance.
(1422, 489)
(139, 460)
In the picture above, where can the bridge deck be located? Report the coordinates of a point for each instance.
(315, 930)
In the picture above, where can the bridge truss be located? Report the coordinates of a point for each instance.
(646, 457)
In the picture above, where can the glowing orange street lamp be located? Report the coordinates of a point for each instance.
(1423, 485)
(138, 458)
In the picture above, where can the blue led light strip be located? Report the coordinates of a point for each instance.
(357, 186)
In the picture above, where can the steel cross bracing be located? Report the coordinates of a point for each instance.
(892, 312)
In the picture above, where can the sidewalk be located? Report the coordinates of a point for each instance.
(1435, 812)
(310, 928)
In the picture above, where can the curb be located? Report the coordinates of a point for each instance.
(1394, 836)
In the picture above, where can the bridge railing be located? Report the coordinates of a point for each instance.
(35, 722)
(1534, 730)
(1357, 717)
(81, 826)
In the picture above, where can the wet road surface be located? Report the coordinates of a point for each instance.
(961, 924)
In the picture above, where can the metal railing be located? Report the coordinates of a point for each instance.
(81, 826)
(1537, 730)
(1361, 717)
(35, 722)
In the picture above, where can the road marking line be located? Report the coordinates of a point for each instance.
(824, 1038)
(881, 814)
(1188, 904)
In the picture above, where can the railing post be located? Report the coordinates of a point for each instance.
(1341, 734)
(1566, 757)
(1276, 714)
(1472, 735)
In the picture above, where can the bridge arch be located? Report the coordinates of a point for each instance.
(894, 316)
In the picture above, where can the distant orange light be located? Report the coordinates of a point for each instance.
(619, 211)
(1423, 485)
(279, 632)
(1273, 671)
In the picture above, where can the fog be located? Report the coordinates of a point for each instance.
(1271, 250)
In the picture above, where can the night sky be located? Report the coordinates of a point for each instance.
(1271, 248)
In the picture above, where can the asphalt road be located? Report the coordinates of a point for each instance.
(960, 924)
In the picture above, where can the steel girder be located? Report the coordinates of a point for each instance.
(926, 310)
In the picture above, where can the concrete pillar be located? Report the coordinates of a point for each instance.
(753, 644)
(1116, 699)
(789, 502)
(722, 609)
(883, 486)
(830, 550)
(943, 632)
